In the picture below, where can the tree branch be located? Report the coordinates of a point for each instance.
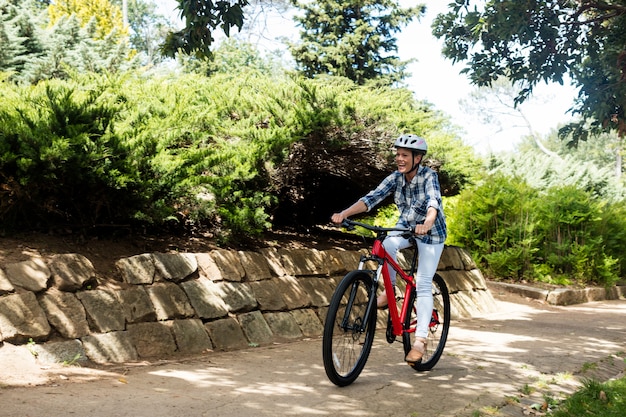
(617, 10)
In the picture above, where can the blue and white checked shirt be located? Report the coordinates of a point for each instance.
(413, 200)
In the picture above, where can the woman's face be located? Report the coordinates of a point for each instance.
(405, 160)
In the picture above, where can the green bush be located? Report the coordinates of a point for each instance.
(60, 157)
(542, 171)
(495, 221)
(572, 240)
(559, 235)
(612, 228)
(182, 151)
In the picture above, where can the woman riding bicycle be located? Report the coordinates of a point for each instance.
(418, 196)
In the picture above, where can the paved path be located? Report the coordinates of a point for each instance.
(487, 360)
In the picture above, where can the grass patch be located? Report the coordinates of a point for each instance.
(602, 399)
(527, 389)
(488, 411)
(589, 366)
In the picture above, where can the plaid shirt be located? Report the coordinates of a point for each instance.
(413, 200)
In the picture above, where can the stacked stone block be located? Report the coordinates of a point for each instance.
(164, 304)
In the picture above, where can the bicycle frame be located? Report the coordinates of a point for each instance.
(380, 256)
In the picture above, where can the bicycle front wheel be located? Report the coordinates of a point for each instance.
(437, 328)
(349, 328)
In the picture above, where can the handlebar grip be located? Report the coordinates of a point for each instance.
(347, 224)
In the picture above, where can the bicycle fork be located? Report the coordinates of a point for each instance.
(355, 326)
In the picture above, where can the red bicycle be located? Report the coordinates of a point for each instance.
(351, 319)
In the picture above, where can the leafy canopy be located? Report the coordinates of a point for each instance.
(544, 40)
(201, 18)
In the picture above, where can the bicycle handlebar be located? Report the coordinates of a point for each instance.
(350, 224)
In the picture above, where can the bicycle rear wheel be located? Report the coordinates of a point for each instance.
(437, 329)
(349, 329)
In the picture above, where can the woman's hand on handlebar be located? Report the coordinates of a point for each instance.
(337, 218)
(422, 229)
(356, 208)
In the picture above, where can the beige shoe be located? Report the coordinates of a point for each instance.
(417, 351)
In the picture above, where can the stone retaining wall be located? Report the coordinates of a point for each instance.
(164, 304)
(561, 296)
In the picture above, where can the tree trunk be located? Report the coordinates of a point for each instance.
(618, 162)
(125, 13)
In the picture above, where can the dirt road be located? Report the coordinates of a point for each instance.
(486, 360)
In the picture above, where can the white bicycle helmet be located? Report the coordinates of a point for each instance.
(413, 142)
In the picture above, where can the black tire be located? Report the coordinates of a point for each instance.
(346, 344)
(437, 330)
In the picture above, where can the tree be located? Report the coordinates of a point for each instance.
(353, 39)
(233, 57)
(11, 44)
(499, 100)
(31, 52)
(201, 18)
(543, 40)
(20, 35)
(259, 14)
(604, 150)
(148, 29)
(107, 16)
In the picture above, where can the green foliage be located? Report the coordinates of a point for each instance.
(543, 171)
(575, 210)
(353, 39)
(21, 35)
(612, 228)
(34, 53)
(605, 150)
(106, 17)
(606, 399)
(554, 235)
(180, 151)
(495, 221)
(572, 242)
(201, 18)
(540, 41)
(58, 154)
(233, 56)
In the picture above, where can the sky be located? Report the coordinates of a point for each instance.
(437, 81)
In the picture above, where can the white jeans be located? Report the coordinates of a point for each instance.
(427, 267)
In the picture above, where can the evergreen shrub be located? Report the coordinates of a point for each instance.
(182, 151)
